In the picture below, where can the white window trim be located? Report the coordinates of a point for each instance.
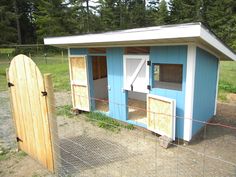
(189, 92)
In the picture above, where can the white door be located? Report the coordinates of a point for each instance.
(79, 82)
(136, 73)
(161, 115)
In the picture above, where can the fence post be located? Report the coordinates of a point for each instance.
(50, 99)
(62, 56)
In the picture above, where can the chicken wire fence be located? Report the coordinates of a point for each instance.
(90, 145)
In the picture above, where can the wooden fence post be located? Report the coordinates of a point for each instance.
(51, 109)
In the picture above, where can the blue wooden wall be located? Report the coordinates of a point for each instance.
(171, 55)
(205, 88)
(117, 96)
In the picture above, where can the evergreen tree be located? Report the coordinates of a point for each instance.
(221, 18)
(162, 14)
(8, 32)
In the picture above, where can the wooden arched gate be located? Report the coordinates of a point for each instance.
(32, 109)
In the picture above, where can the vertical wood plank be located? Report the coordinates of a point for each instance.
(50, 100)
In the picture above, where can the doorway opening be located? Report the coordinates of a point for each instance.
(137, 110)
(99, 64)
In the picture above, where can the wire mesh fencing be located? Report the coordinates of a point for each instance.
(92, 144)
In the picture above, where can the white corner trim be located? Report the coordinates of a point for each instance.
(189, 91)
(217, 84)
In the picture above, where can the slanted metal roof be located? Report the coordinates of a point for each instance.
(149, 36)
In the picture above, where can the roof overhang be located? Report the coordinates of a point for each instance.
(149, 36)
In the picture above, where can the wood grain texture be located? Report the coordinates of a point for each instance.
(79, 83)
(160, 116)
(30, 112)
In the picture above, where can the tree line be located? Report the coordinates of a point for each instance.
(29, 21)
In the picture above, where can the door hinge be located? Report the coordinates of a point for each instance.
(18, 139)
(10, 84)
(131, 87)
(149, 63)
(149, 87)
(44, 93)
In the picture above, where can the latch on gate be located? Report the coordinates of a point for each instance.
(44, 93)
(149, 63)
(18, 139)
(149, 87)
(10, 84)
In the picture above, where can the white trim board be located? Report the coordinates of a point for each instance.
(189, 92)
(190, 32)
(217, 84)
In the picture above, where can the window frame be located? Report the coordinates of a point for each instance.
(167, 85)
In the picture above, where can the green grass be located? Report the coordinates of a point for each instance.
(4, 155)
(227, 82)
(55, 65)
(105, 122)
(6, 50)
(65, 111)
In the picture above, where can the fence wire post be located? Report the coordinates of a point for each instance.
(50, 99)
(204, 150)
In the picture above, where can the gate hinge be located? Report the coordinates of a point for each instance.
(10, 84)
(18, 139)
(131, 87)
(44, 93)
(149, 63)
(149, 87)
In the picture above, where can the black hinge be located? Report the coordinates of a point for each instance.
(149, 63)
(132, 88)
(149, 87)
(10, 84)
(44, 93)
(18, 139)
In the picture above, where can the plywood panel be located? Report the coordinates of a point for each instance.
(99, 67)
(79, 83)
(161, 115)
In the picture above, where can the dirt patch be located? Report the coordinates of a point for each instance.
(232, 98)
(18, 166)
(7, 131)
(226, 111)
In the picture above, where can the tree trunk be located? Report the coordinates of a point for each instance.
(87, 9)
(17, 23)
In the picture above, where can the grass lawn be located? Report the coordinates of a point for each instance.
(60, 71)
(55, 65)
(227, 83)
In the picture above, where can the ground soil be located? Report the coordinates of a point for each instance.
(126, 153)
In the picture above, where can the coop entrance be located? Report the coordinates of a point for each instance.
(100, 98)
(137, 110)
